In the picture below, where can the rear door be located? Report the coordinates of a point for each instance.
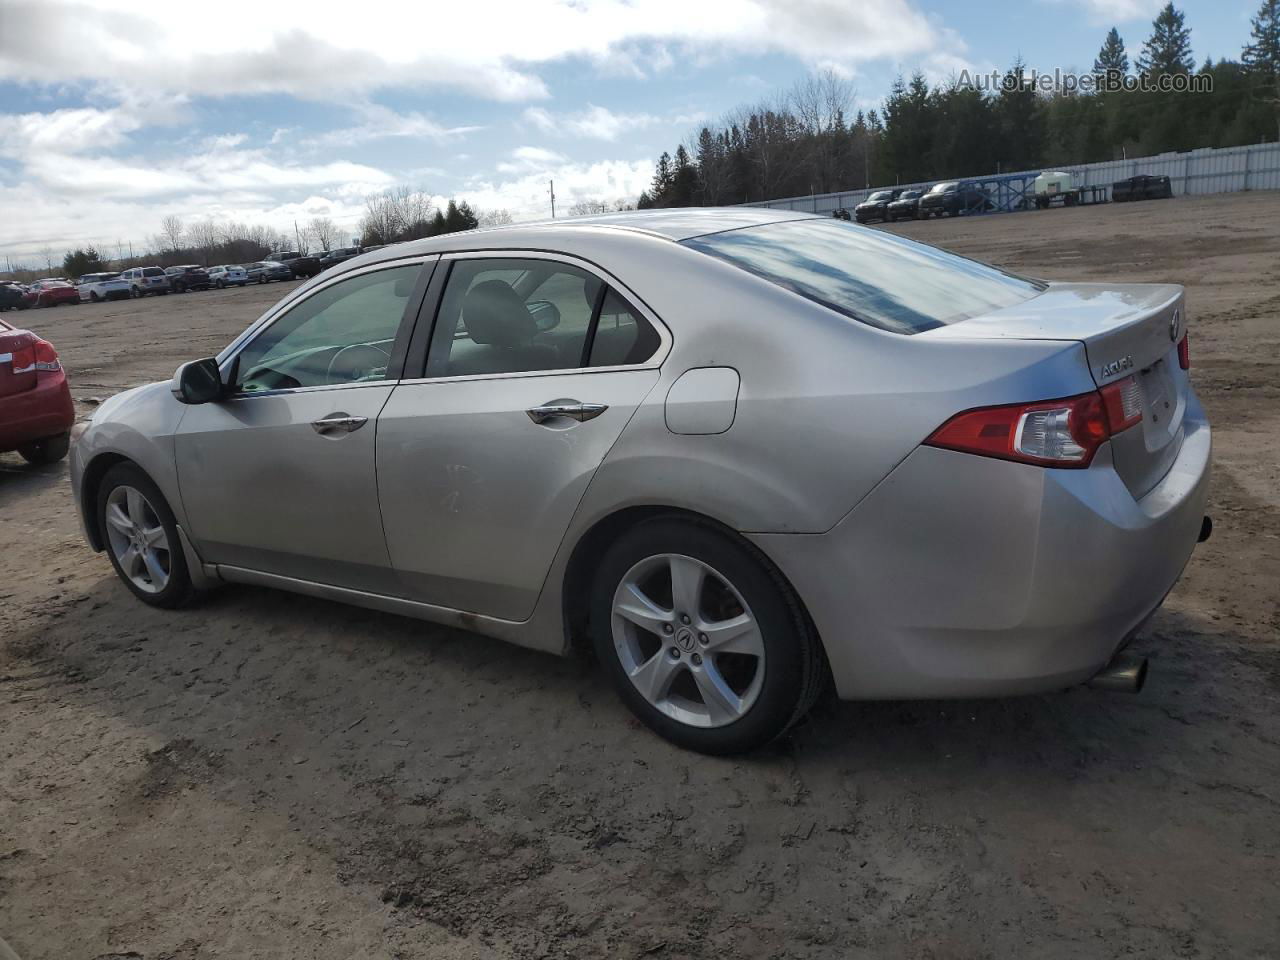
(536, 363)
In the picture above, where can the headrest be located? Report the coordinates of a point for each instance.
(494, 313)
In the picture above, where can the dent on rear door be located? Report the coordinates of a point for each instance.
(476, 497)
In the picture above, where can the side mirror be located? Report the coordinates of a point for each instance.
(198, 381)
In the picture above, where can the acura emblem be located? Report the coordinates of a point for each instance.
(1173, 325)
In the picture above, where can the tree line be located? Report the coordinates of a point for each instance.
(806, 141)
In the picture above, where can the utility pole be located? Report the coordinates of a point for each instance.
(553, 198)
(297, 236)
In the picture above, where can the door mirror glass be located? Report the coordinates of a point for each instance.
(198, 382)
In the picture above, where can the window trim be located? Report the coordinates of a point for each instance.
(427, 265)
(425, 328)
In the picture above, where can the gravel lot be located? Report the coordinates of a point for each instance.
(272, 776)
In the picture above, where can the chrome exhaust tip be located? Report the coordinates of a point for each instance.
(1126, 673)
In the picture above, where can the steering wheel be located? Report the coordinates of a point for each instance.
(356, 362)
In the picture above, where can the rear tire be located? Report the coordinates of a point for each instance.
(131, 510)
(743, 667)
(46, 451)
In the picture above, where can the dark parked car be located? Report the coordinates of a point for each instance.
(14, 296)
(331, 258)
(1141, 187)
(188, 277)
(907, 206)
(876, 206)
(952, 198)
(264, 271)
(299, 265)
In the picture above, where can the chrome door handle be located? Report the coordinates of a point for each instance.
(338, 423)
(566, 408)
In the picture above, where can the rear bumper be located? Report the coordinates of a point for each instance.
(43, 411)
(964, 576)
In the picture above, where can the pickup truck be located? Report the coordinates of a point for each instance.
(1141, 187)
(299, 264)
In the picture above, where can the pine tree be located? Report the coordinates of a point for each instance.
(1168, 50)
(661, 180)
(1262, 56)
(1112, 57)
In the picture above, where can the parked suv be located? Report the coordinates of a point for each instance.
(876, 206)
(299, 265)
(145, 280)
(338, 255)
(1141, 187)
(188, 277)
(95, 287)
(952, 198)
(906, 207)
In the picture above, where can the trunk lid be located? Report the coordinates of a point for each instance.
(1127, 330)
(15, 353)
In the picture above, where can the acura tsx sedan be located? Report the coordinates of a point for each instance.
(745, 454)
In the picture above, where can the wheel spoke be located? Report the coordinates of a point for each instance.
(653, 677)
(640, 610)
(739, 634)
(154, 537)
(137, 507)
(723, 705)
(116, 516)
(130, 561)
(154, 570)
(687, 576)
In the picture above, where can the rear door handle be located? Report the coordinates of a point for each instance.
(338, 423)
(572, 409)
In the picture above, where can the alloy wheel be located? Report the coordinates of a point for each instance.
(688, 641)
(138, 540)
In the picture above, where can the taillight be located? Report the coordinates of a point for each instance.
(1053, 433)
(1184, 353)
(38, 356)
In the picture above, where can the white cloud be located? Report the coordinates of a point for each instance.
(593, 123)
(378, 122)
(526, 195)
(487, 48)
(530, 158)
(1111, 12)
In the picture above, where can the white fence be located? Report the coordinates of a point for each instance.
(1227, 170)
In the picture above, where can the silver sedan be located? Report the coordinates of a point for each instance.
(746, 454)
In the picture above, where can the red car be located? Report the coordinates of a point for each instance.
(36, 412)
(53, 293)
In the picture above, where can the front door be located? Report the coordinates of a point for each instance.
(535, 367)
(280, 477)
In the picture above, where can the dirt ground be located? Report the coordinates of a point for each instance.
(266, 775)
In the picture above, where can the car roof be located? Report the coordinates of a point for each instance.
(677, 224)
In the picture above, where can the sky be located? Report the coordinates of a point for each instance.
(117, 113)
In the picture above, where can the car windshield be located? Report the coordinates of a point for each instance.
(880, 279)
(910, 195)
(880, 195)
(943, 187)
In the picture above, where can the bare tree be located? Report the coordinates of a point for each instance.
(401, 213)
(585, 207)
(493, 218)
(172, 232)
(324, 232)
(47, 255)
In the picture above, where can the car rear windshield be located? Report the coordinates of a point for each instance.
(877, 278)
(153, 272)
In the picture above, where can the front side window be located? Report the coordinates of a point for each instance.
(341, 334)
(878, 278)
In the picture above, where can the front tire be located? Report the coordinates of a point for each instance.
(141, 537)
(702, 638)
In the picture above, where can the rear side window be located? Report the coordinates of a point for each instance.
(153, 272)
(523, 316)
(877, 278)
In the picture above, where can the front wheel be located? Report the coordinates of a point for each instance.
(141, 536)
(702, 638)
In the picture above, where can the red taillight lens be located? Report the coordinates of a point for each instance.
(1123, 400)
(1054, 433)
(39, 355)
(1184, 353)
